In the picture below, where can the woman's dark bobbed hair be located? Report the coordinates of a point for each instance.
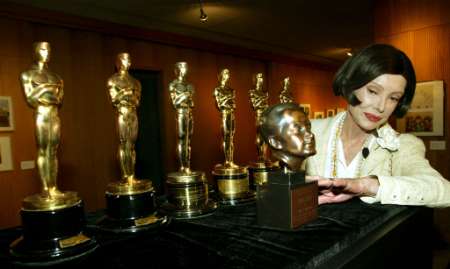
(369, 63)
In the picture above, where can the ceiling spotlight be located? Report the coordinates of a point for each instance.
(349, 53)
(203, 15)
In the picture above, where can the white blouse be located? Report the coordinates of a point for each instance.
(343, 170)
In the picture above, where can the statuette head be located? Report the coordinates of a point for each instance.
(224, 76)
(123, 61)
(42, 51)
(258, 79)
(181, 69)
(287, 131)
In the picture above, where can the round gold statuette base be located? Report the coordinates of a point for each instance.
(52, 231)
(259, 172)
(131, 208)
(232, 185)
(188, 196)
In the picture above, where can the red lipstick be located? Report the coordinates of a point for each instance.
(372, 117)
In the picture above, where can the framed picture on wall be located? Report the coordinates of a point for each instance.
(6, 114)
(5, 154)
(319, 115)
(306, 108)
(330, 113)
(426, 114)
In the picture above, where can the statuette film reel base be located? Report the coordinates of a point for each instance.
(130, 202)
(52, 221)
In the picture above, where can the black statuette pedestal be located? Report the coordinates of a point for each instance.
(286, 201)
(52, 237)
(130, 213)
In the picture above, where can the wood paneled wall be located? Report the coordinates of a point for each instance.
(422, 30)
(85, 59)
(307, 86)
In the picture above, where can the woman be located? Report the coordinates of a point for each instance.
(358, 153)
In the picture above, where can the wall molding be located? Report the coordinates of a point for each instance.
(38, 15)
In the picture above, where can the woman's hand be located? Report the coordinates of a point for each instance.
(336, 190)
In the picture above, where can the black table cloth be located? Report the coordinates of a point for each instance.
(352, 234)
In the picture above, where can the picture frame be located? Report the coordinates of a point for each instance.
(330, 113)
(6, 163)
(307, 109)
(426, 114)
(6, 114)
(319, 115)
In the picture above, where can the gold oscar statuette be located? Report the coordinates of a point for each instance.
(187, 190)
(232, 179)
(128, 200)
(259, 99)
(285, 93)
(50, 217)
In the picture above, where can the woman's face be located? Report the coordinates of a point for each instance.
(378, 98)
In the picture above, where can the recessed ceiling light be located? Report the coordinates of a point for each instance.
(203, 15)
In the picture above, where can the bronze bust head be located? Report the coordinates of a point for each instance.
(287, 131)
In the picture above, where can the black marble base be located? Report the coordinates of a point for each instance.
(130, 206)
(286, 201)
(130, 213)
(150, 222)
(52, 237)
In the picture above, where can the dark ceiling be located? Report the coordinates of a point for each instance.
(317, 30)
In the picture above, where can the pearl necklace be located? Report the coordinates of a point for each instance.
(337, 135)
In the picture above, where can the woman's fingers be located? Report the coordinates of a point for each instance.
(334, 198)
(335, 190)
(340, 183)
(325, 183)
(313, 178)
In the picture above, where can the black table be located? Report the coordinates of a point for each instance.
(347, 235)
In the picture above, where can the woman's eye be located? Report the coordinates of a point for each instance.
(372, 91)
(395, 99)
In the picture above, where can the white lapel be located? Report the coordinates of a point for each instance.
(387, 141)
(375, 161)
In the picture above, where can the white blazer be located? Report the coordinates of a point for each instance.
(405, 175)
